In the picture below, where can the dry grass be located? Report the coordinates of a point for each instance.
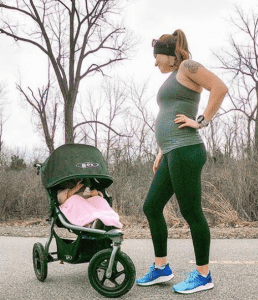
(229, 194)
(215, 204)
(22, 195)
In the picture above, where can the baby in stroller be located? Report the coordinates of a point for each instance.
(85, 207)
(63, 195)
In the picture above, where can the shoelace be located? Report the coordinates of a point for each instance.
(150, 271)
(152, 268)
(191, 276)
(149, 274)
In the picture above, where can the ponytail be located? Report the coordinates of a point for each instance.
(182, 52)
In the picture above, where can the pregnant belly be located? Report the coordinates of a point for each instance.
(167, 132)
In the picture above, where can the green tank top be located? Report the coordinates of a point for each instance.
(174, 98)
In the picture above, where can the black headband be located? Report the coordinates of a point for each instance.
(164, 48)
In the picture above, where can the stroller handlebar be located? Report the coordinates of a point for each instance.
(38, 166)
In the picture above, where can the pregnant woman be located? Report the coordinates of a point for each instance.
(181, 157)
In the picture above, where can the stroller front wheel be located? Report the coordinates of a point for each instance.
(122, 278)
(40, 261)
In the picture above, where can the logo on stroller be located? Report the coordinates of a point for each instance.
(68, 257)
(87, 165)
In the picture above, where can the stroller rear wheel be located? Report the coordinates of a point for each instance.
(40, 261)
(122, 278)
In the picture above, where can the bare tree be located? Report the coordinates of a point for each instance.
(116, 95)
(100, 118)
(3, 119)
(144, 131)
(39, 105)
(70, 33)
(213, 137)
(242, 62)
(90, 117)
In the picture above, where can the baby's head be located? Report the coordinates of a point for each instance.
(91, 193)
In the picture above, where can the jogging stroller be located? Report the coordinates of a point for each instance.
(111, 272)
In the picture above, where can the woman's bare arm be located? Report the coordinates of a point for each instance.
(208, 80)
(157, 161)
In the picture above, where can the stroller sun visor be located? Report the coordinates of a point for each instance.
(73, 161)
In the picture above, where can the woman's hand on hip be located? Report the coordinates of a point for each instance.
(186, 122)
(157, 161)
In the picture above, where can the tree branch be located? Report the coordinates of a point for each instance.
(17, 9)
(28, 99)
(18, 38)
(116, 31)
(61, 2)
(63, 86)
(98, 67)
(87, 122)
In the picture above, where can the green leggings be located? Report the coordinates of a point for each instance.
(179, 172)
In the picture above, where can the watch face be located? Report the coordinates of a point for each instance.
(200, 119)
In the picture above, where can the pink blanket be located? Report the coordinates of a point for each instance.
(80, 211)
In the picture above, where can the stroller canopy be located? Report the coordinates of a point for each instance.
(72, 161)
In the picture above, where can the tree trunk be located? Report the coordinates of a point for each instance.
(48, 139)
(256, 124)
(68, 113)
(249, 139)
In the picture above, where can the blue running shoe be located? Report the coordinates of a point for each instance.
(156, 275)
(194, 283)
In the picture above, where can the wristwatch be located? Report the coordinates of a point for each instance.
(202, 121)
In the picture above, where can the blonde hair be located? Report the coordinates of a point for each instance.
(182, 52)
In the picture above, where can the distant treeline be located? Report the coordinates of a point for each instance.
(229, 191)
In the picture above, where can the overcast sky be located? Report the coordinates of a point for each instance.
(205, 23)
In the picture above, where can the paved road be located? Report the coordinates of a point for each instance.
(234, 265)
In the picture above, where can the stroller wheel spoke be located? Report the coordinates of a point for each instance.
(103, 270)
(103, 280)
(113, 281)
(118, 274)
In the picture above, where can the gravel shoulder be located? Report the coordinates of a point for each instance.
(39, 228)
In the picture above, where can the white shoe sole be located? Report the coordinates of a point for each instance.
(158, 280)
(198, 289)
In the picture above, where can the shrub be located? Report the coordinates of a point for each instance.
(17, 163)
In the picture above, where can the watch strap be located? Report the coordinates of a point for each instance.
(202, 121)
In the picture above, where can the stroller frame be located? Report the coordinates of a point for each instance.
(116, 235)
(111, 272)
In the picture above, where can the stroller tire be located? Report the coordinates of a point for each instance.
(122, 278)
(39, 261)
